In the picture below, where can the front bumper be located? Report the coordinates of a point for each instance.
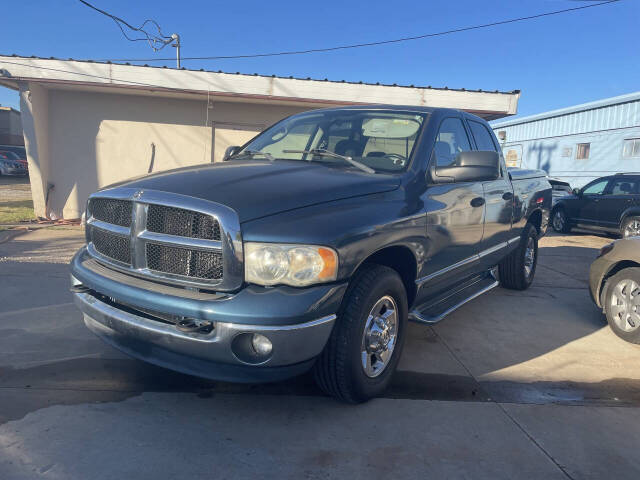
(597, 272)
(14, 171)
(298, 323)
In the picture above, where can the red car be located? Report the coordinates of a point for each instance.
(12, 164)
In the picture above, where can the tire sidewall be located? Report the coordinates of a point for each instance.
(530, 232)
(559, 211)
(632, 273)
(389, 283)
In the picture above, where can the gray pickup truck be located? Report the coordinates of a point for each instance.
(310, 247)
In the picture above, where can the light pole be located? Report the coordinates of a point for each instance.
(176, 39)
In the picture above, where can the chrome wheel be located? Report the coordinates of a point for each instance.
(632, 228)
(379, 336)
(559, 221)
(625, 305)
(529, 257)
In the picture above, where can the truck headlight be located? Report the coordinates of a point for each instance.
(296, 265)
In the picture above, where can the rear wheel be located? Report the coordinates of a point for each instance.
(559, 221)
(630, 227)
(519, 268)
(622, 304)
(366, 343)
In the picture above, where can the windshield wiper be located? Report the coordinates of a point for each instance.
(327, 153)
(253, 153)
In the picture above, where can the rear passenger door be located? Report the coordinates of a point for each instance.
(498, 195)
(621, 194)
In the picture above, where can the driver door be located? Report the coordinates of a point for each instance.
(589, 211)
(455, 217)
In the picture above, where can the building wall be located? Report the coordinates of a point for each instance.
(557, 155)
(98, 139)
(551, 143)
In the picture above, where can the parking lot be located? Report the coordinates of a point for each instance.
(526, 384)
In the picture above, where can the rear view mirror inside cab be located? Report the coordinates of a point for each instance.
(389, 127)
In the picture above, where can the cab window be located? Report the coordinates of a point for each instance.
(451, 140)
(481, 135)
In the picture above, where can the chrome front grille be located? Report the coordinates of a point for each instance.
(182, 261)
(183, 223)
(114, 246)
(166, 237)
(117, 212)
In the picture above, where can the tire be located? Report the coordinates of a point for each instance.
(519, 268)
(339, 370)
(624, 289)
(559, 221)
(630, 227)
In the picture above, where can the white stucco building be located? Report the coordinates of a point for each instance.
(88, 124)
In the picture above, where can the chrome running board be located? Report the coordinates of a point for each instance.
(432, 314)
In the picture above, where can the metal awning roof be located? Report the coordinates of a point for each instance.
(162, 81)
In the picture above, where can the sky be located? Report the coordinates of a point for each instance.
(555, 61)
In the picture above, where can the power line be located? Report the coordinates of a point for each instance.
(370, 44)
(157, 42)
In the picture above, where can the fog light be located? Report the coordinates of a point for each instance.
(261, 344)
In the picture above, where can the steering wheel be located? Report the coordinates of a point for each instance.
(397, 159)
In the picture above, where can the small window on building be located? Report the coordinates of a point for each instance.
(631, 148)
(582, 152)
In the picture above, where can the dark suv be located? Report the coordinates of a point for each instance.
(608, 204)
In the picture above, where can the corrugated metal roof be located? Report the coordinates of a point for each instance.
(598, 104)
(609, 114)
(429, 87)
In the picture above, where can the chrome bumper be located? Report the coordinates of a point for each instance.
(165, 345)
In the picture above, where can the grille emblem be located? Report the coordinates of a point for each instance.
(138, 194)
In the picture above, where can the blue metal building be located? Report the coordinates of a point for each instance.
(576, 144)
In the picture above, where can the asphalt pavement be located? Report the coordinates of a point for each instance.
(513, 385)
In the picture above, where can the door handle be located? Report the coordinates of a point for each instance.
(507, 196)
(477, 202)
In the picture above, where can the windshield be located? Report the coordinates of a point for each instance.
(380, 140)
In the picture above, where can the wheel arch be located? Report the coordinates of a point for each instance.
(615, 268)
(629, 212)
(535, 219)
(400, 258)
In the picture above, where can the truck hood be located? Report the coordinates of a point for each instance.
(255, 188)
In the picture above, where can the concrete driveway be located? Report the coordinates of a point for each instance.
(513, 385)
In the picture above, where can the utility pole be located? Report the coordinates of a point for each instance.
(176, 45)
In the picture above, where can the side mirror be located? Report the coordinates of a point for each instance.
(230, 152)
(473, 166)
(577, 192)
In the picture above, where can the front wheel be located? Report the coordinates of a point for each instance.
(366, 343)
(519, 268)
(622, 304)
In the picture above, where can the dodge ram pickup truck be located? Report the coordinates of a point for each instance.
(310, 247)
